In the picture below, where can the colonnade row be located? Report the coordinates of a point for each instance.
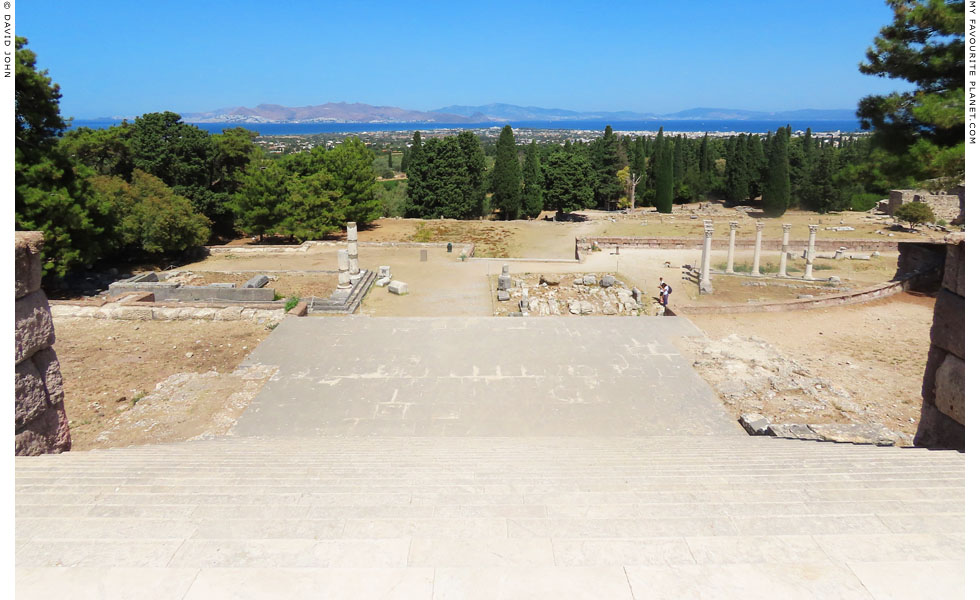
(709, 229)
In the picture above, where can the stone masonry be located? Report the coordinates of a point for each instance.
(946, 206)
(942, 423)
(40, 424)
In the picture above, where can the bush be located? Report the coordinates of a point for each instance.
(864, 202)
(915, 213)
(291, 303)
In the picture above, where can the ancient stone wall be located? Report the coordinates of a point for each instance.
(948, 207)
(40, 424)
(771, 243)
(942, 423)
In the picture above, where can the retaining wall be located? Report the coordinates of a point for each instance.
(942, 423)
(153, 311)
(40, 423)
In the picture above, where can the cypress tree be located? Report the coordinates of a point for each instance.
(665, 179)
(606, 162)
(507, 176)
(390, 164)
(475, 162)
(653, 167)
(736, 170)
(532, 199)
(775, 196)
(756, 162)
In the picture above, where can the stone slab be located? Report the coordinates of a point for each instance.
(259, 281)
(399, 288)
(481, 376)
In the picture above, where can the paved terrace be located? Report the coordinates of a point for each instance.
(489, 458)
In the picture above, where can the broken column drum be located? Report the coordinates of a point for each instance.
(783, 251)
(758, 249)
(343, 264)
(730, 268)
(354, 268)
(503, 282)
(808, 274)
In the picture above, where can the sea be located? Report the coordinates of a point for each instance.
(733, 126)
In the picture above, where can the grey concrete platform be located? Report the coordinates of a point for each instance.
(484, 376)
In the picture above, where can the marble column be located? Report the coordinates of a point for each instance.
(704, 283)
(784, 250)
(343, 263)
(730, 268)
(758, 249)
(355, 269)
(808, 274)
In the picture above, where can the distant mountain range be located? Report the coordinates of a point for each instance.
(343, 112)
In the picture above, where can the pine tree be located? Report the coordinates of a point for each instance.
(665, 179)
(507, 176)
(776, 195)
(475, 161)
(606, 162)
(532, 199)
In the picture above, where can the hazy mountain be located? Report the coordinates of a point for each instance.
(338, 112)
(342, 112)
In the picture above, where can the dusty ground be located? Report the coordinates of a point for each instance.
(868, 360)
(112, 368)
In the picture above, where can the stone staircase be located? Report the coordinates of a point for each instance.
(491, 517)
(344, 304)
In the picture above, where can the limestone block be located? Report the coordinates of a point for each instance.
(206, 314)
(46, 434)
(133, 313)
(754, 424)
(589, 280)
(503, 295)
(954, 277)
(549, 279)
(398, 287)
(950, 396)
(165, 314)
(33, 327)
(949, 323)
(27, 262)
(608, 308)
(937, 430)
(30, 399)
(256, 282)
(607, 281)
(503, 282)
(230, 313)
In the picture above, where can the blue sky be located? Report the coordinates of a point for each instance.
(128, 58)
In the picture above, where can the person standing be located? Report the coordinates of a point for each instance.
(665, 291)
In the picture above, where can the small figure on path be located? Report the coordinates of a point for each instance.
(665, 291)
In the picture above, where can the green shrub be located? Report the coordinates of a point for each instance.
(291, 303)
(864, 202)
(915, 213)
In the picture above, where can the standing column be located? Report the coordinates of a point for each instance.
(730, 268)
(758, 249)
(808, 274)
(355, 269)
(704, 283)
(343, 263)
(784, 250)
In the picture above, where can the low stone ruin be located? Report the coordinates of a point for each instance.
(579, 294)
(170, 287)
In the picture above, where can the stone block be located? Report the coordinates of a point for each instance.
(299, 310)
(256, 282)
(754, 424)
(222, 285)
(607, 281)
(33, 327)
(46, 434)
(549, 279)
(794, 431)
(30, 398)
(229, 313)
(954, 277)
(589, 280)
(937, 430)
(503, 295)
(949, 323)
(503, 282)
(950, 396)
(133, 313)
(27, 262)
(398, 287)
(48, 366)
